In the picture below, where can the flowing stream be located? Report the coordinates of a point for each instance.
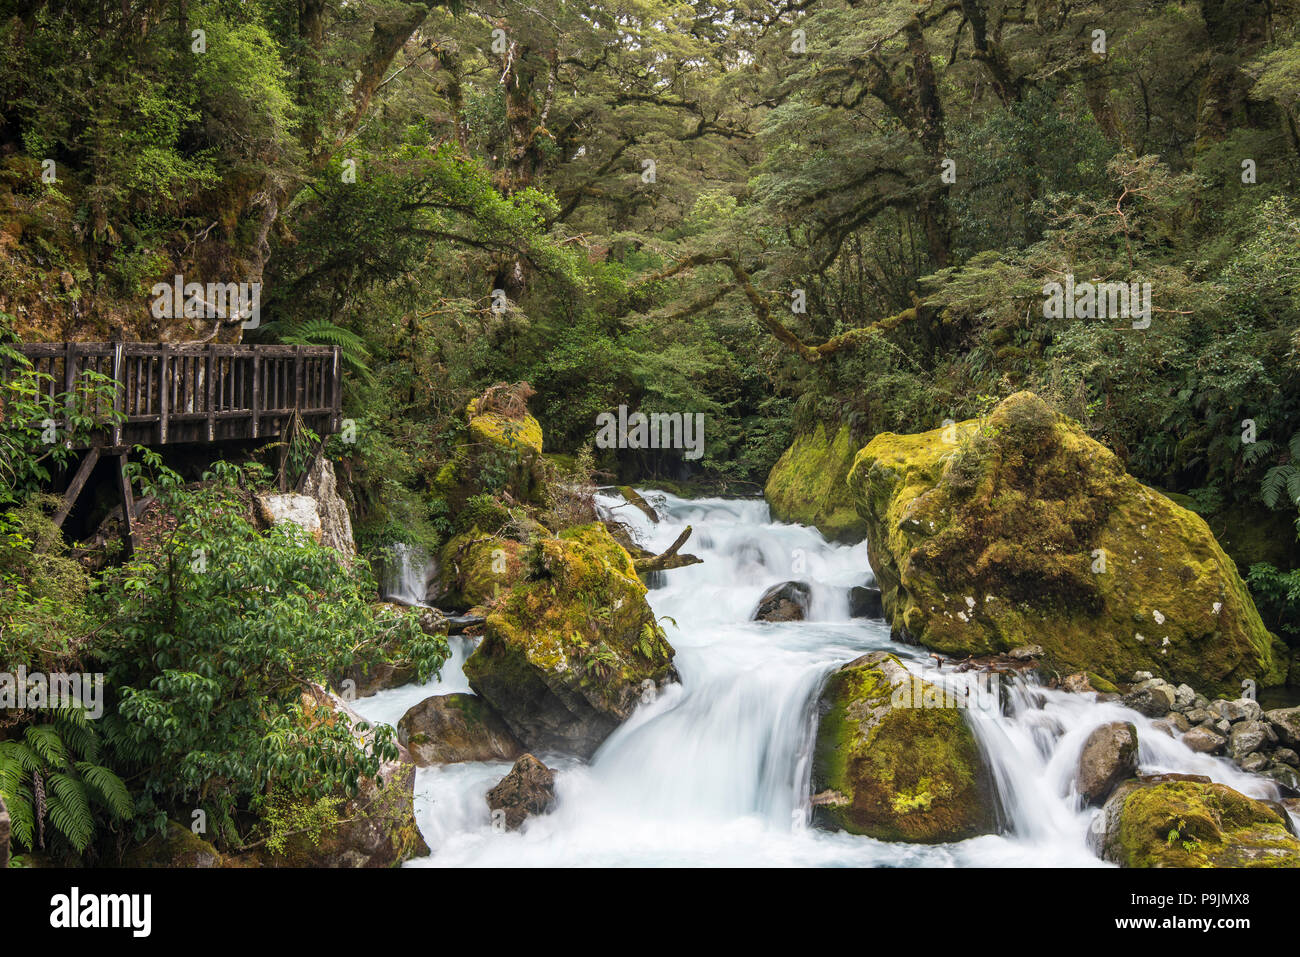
(715, 771)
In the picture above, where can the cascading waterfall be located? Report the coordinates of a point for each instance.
(716, 770)
(405, 574)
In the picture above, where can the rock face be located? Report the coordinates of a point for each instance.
(1190, 823)
(990, 534)
(864, 602)
(788, 601)
(528, 789)
(1110, 756)
(455, 727)
(300, 510)
(888, 766)
(321, 486)
(568, 654)
(807, 485)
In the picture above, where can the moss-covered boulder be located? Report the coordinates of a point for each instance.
(179, 847)
(807, 485)
(1193, 824)
(521, 433)
(477, 568)
(445, 729)
(568, 654)
(1019, 529)
(892, 762)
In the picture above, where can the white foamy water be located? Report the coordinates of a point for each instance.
(716, 770)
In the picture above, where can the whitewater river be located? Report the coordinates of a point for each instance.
(716, 770)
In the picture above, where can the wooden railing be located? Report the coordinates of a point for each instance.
(170, 394)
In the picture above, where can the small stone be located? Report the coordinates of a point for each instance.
(1141, 676)
(529, 788)
(1025, 652)
(1184, 697)
(1286, 756)
(1204, 741)
(1199, 716)
(1246, 737)
(1152, 700)
(1076, 683)
(1286, 724)
(1253, 762)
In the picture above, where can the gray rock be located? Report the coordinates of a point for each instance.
(528, 789)
(1254, 762)
(1179, 721)
(1201, 702)
(1199, 716)
(1286, 756)
(1109, 757)
(865, 602)
(1223, 726)
(1152, 700)
(1286, 724)
(1025, 652)
(446, 729)
(1184, 697)
(1204, 741)
(1287, 777)
(788, 601)
(1248, 736)
(1165, 726)
(1141, 676)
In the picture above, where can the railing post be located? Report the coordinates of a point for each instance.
(210, 391)
(255, 364)
(164, 393)
(119, 391)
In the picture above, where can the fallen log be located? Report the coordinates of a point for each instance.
(668, 558)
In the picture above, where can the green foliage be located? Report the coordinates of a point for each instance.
(50, 777)
(216, 632)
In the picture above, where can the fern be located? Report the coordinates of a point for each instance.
(74, 789)
(322, 332)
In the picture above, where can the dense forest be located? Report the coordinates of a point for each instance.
(801, 224)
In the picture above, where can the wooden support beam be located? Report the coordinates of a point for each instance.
(75, 487)
(128, 505)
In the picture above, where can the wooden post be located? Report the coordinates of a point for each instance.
(128, 505)
(164, 394)
(210, 369)
(74, 489)
(119, 391)
(255, 364)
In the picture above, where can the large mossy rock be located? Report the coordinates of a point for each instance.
(476, 568)
(567, 655)
(807, 485)
(522, 434)
(1193, 824)
(179, 847)
(891, 767)
(449, 728)
(1020, 529)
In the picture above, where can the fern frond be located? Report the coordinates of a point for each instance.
(46, 742)
(108, 787)
(69, 810)
(1294, 446)
(1274, 484)
(22, 816)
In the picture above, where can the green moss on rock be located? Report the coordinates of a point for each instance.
(477, 568)
(1020, 529)
(1194, 824)
(522, 434)
(568, 655)
(808, 485)
(889, 767)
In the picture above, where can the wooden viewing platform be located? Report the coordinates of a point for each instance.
(171, 394)
(187, 394)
